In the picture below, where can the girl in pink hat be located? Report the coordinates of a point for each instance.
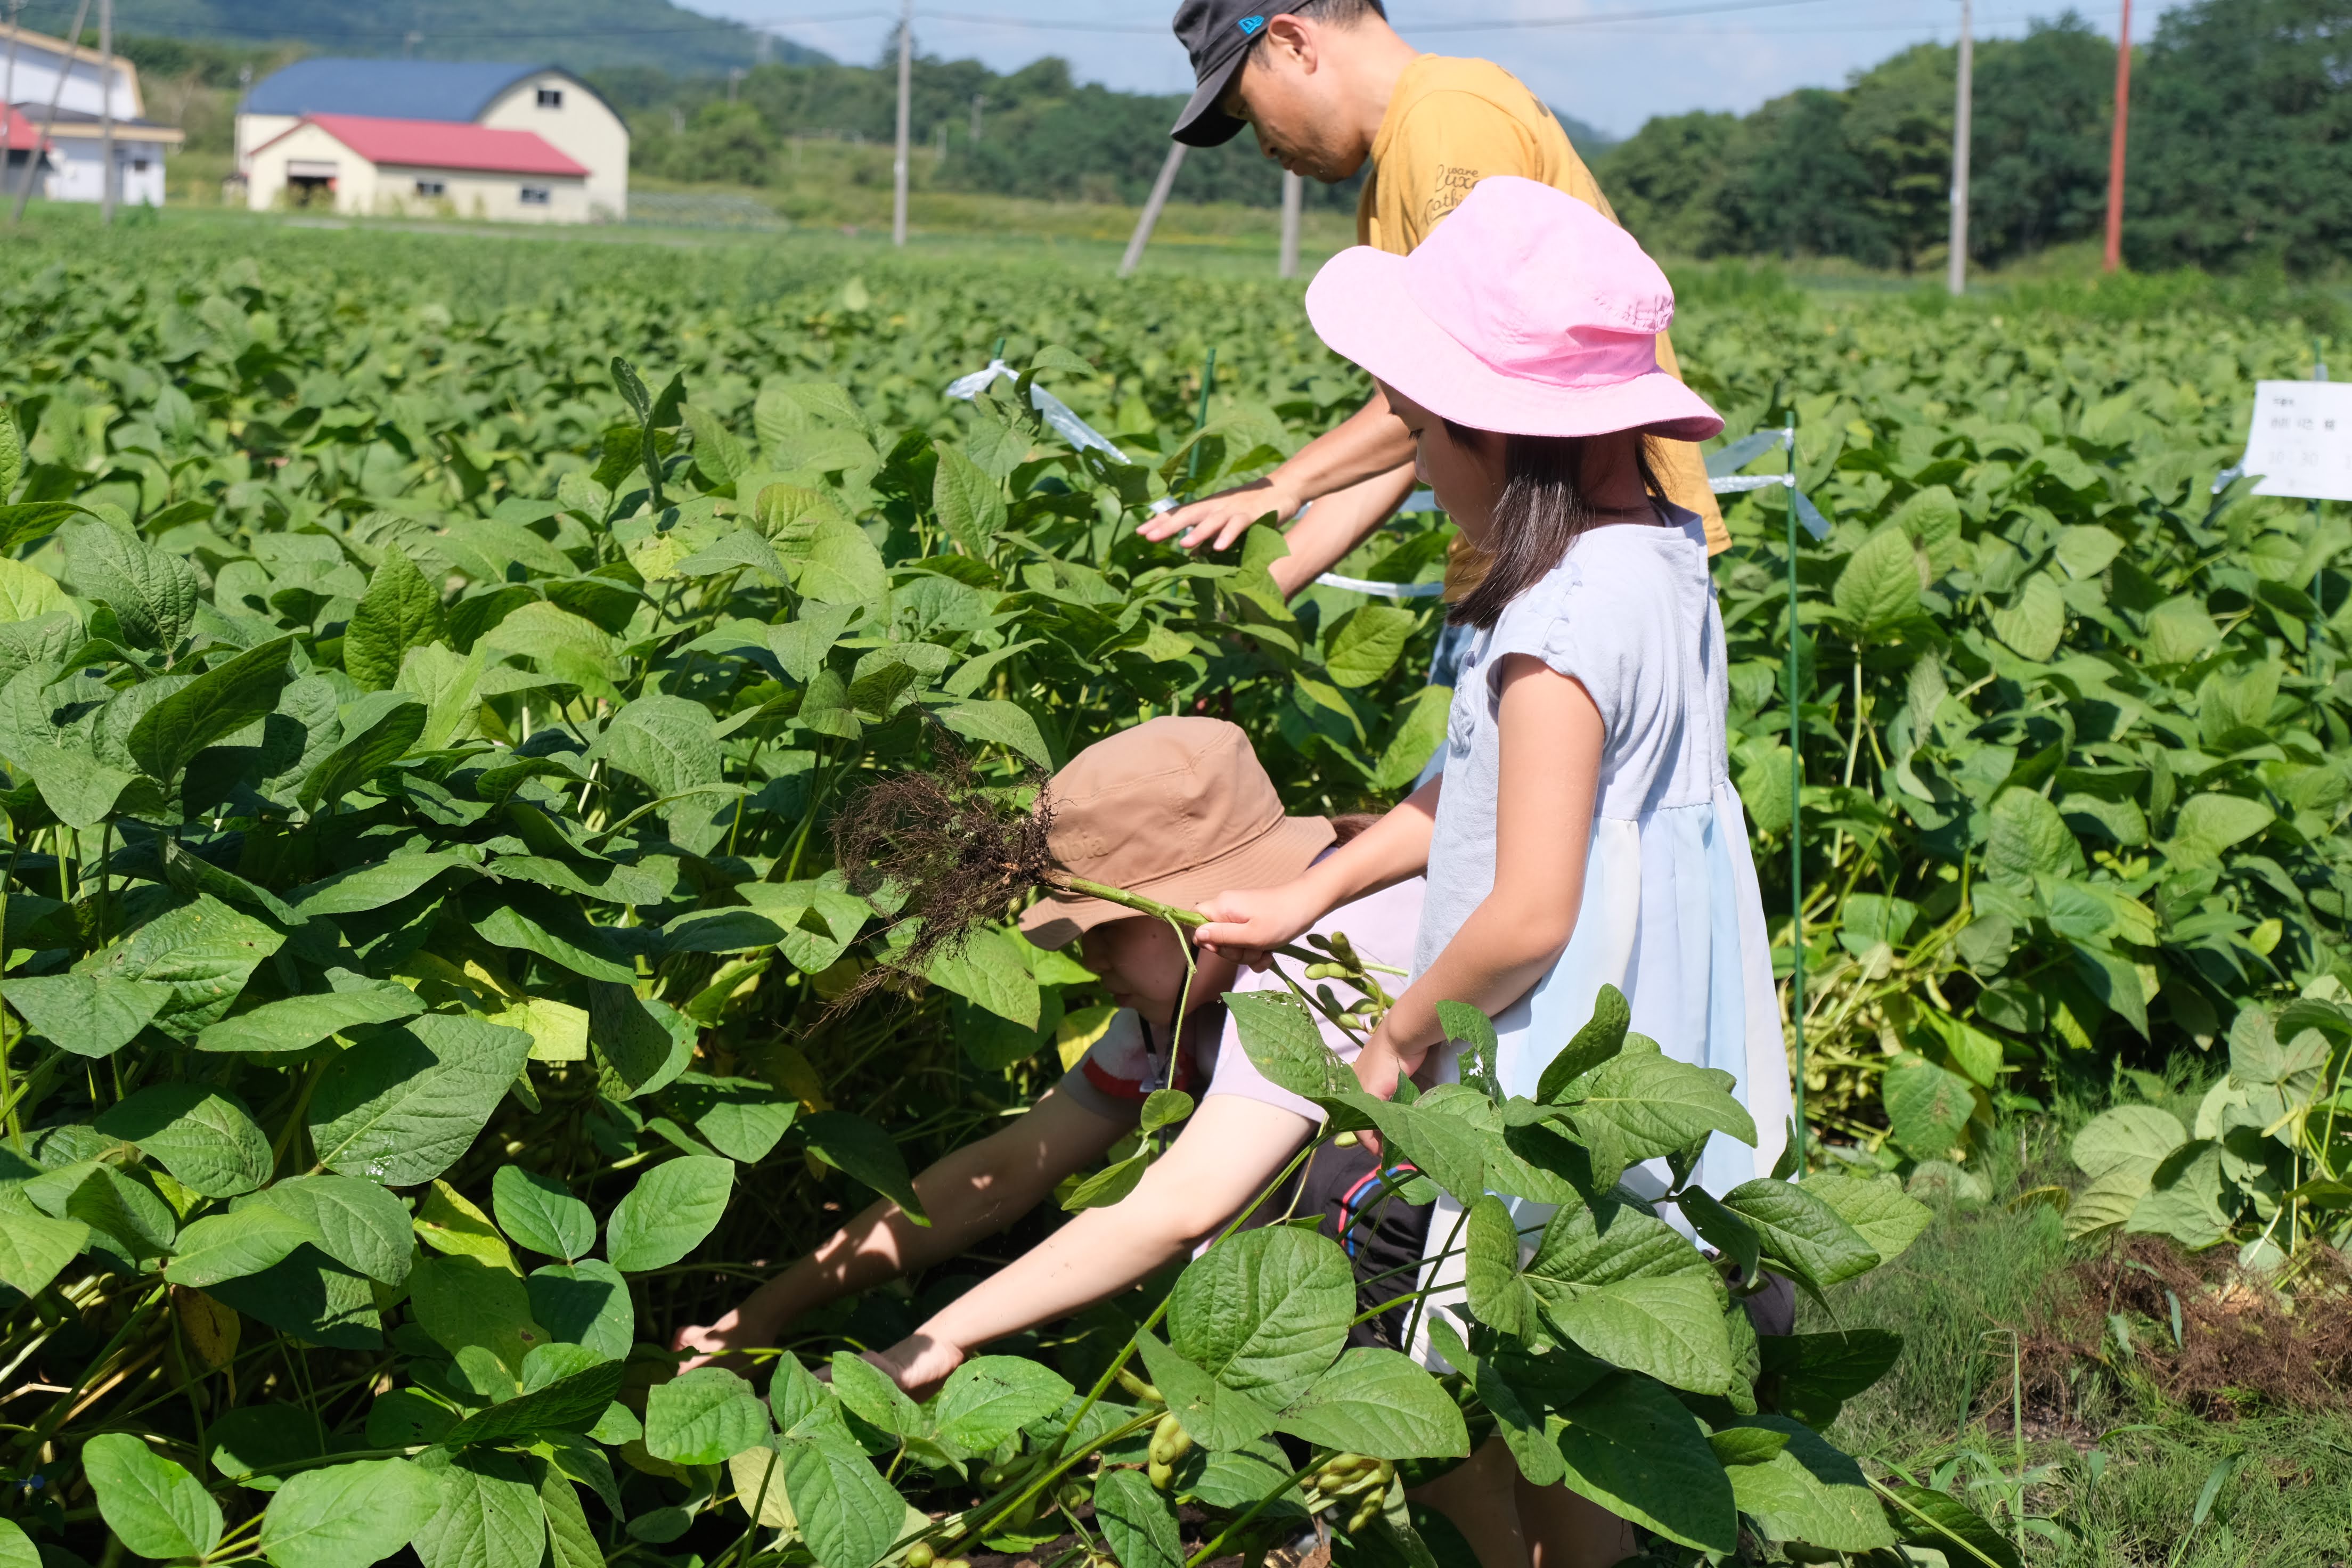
(1584, 831)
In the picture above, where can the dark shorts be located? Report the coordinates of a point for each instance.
(1355, 1198)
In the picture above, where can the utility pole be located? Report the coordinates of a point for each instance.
(734, 76)
(977, 99)
(906, 91)
(1157, 199)
(1294, 204)
(8, 97)
(106, 172)
(49, 120)
(1956, 269)
(2116, 147)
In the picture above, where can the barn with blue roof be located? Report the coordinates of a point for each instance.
(545, 101)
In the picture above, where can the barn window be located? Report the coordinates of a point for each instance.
(432, 189)
(551, 98)
(535, 195)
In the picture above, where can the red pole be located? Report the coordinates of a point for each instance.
(2115, 148)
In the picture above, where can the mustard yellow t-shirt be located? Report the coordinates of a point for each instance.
(1450, 123)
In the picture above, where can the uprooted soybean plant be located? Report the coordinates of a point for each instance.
(417, 929)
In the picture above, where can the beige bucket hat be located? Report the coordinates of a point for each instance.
(1176, 809)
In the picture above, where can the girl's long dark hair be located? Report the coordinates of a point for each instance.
(1542, 511)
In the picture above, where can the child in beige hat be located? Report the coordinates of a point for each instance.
(1176, 809)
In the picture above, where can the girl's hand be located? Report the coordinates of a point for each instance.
(919, 1364)
(740, 1330)
(1249, 924)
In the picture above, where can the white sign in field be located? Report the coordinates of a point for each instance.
(2301, 443)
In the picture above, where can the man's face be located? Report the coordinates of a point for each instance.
(1289, 95)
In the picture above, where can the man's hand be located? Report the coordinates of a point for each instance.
(919, 1364)
(718, 1341)
(1218, 522)
(1249, 924)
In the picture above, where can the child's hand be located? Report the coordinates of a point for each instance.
(739, 1329)
(1249, 924)
(919, 1364)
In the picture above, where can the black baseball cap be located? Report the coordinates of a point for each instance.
(1217, 35)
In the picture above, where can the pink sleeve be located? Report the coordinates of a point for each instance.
(1381, 926)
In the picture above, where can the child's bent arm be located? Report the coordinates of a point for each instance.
(1248, 924)
(970, 1194)
(1227, 1153)
(1550, 777)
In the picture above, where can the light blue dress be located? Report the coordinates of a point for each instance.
(1672, 915)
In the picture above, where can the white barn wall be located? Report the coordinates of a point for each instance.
(584, 128)
(363, 189)
(40, 59)
(254, 131)
(74, 167)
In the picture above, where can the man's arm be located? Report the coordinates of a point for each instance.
(1369, 442)
(1336, 524)
(969, 1195)
(1228, 1153)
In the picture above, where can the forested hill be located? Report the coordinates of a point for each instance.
(583, 35)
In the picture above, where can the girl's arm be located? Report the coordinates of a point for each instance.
(973, 1193)
(1228, 1153)
(1551, 737)
(1249, 924)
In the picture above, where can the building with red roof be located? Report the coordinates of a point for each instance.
(363, 164)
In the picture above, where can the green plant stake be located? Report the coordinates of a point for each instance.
(1796, 796)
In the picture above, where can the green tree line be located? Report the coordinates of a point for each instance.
(2239, 151)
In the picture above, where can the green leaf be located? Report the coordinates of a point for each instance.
(703, 1417)
(2185, 1198)
(348, 1514)
(1810, 1375)
(1264, 1312)
(400, 611)
(867, 1391)
(2034, 620)
(490, 1516)
(1930, 1519)
(2179, 631)
(1364, 646)
(1633, 1448)
(298, 1023)
(374, 885)
(1498, 1296)
(2027, 838)
(1137, 1523)
(88, 1015)
(1880, 1211)
(352, 1221)
(1669, 1326)
(1380, 1403)
(831, 559)
(998, 722)
(667, 1214)
(849, 1515)
(461, 1300)
(154, 1507)
(1648, 1104)
(203, 950)
(231, 1246)
(78, 788)
(969, 504)
(1279, 1037)
(2129, 1136)
(989, 1398)
(1929, 1106)
(1807, 1491)
(859, 1149)
(669, 743)
(1212, 1414)
(537, 922)
(34, 1247)
(211, 708)
(204, 1138)
(16, 1550)
(310, 1295)
(404, 1102)
(646, 1043)
(2208, 824)
(540, 1213)
(152, 592)
(585, 1303)
(448, 683)
(1879, 589)
(988, 971)
(378, 731)
(571, 1542)
(1801, 1234)
(1601, 1039)
(1420, 730)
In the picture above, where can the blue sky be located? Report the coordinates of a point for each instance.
(1613, 75)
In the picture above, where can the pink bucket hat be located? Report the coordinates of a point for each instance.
(1526, 312)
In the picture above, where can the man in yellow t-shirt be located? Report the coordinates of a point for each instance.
(1328, 84)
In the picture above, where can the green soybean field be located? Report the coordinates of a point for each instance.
(430, 671)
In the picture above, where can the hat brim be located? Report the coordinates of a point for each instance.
(1278, 855)
(1362, 309)
(1204, 123)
